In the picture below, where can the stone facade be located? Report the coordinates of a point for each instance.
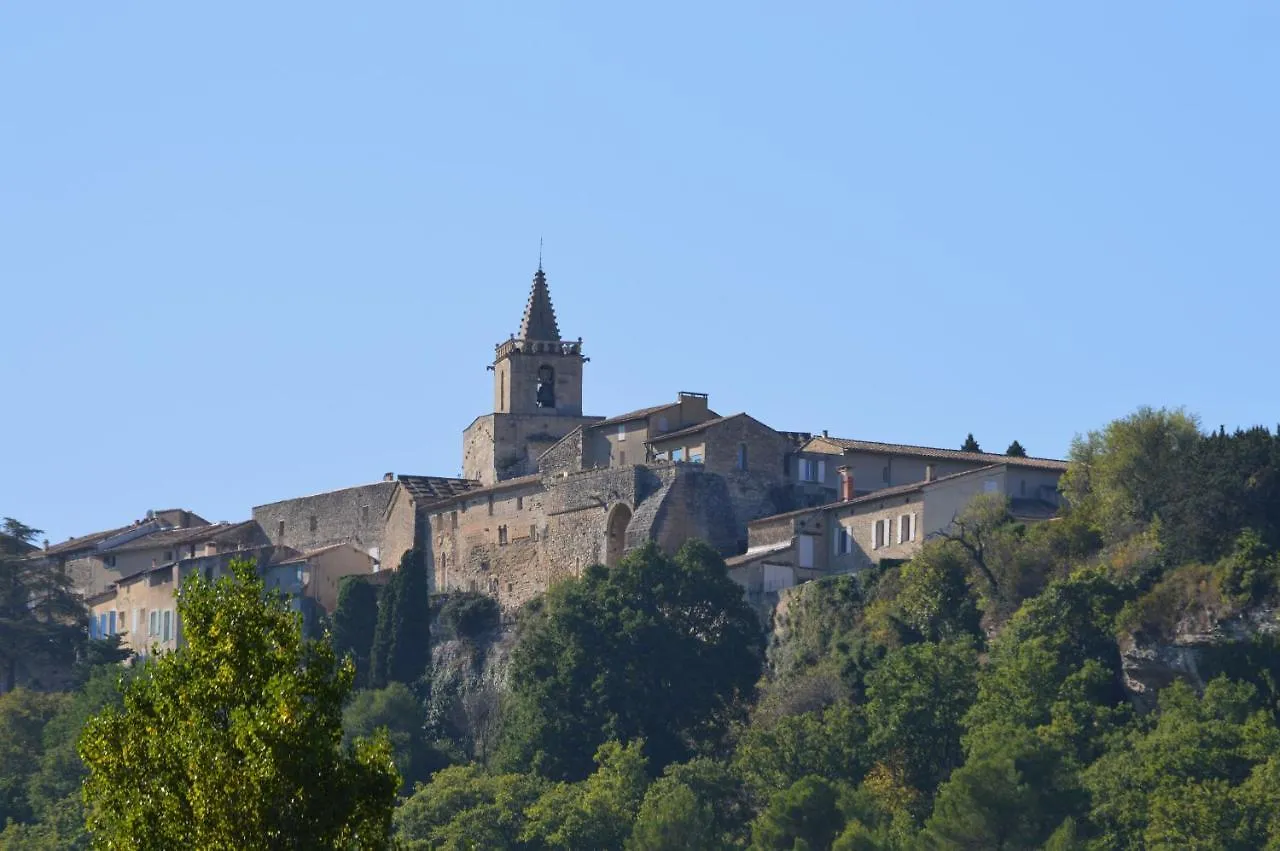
(350, 515)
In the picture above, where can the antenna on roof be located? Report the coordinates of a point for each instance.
(539, 254)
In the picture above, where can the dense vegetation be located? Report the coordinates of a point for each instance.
(972, 698)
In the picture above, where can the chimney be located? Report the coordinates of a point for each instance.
(846, 483)
(928, 472)
(388, 477)
(824, 433)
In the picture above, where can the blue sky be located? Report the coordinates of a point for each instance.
(250, 251)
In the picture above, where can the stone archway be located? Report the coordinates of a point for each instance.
(616, 534)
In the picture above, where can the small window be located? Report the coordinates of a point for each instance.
(695, 456)
(742, 456)
(312, 525)
(511, 586)
(153, 624)
(471, 586)
(280, 530)
(990, 486)
(904, 528)
(493, 585)
(453, 520)
(844, 542)
(622, 431)
(364, 514)
(110, 561)
(168, 555)
(166, 631)
(622, 458)
(677, 454)
(502, 536)
(662, 424)
(884, 474)
(533, 532)
(490, 506)
(519, 503)
(444, 561)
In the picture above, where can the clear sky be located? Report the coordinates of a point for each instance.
(250, 251)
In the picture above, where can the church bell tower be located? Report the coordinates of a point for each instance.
(537, 372)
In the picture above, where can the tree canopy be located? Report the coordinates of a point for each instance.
(235, 739)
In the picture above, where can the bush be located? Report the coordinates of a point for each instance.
(469, 615)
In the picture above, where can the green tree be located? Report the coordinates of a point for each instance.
(396, 710)
(1121, 477)
(596, 814)
(806, 816)
(672, 818)
(463, 807)
(42, 621)
(355, 618)
(23, 717)
(916, 701)
(402, 638)
(234, 740)
(657, 648)
(830, 743)
(1015, 450)
(970, 445)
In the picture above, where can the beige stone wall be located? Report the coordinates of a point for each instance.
(860, 521)
(515, 382)
(134, 602)
(352, 515)
(945, 500)
(400, 529)
(326, 570)
(503, 446)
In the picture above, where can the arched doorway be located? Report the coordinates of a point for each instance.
(616, 534)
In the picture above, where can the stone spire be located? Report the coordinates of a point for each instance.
(539, 317)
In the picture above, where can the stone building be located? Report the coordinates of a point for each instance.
(549, 490)
(863, 529)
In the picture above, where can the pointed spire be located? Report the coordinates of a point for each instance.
(539, 317)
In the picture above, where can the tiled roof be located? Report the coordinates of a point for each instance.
(505, 484)
(694, 429)
(634, 415)
(539, 322)
(757, 552)
(309, 554)
(942, 454)
(176, 537)
(84, 542)
(428, 489)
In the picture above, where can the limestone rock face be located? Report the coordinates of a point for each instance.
(1200, 648)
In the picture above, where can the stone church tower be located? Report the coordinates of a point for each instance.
(537, 396)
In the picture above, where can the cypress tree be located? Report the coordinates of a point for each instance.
(383, 634)
(411, 622)
(970, 445)
(355, 619)
(402, 641)
(1015, 449)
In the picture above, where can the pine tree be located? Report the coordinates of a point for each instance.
(355, 619)
(1015, 450)
(42, 621)
(970, 445)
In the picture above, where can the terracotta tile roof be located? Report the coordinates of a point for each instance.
(309, 554)
(942, 454)
(84, 542)
(429, 489)
(176, 537)
(505, 484)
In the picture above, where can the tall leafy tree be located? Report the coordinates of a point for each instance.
(42, 621)
(355, 619)
(234, 741)
(402, 639)
(1015, 450)
(657, 648)
(970, 445)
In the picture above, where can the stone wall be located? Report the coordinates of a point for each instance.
(352, 515)
(497, 447)
(564, 456)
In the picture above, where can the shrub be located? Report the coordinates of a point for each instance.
(469, 615)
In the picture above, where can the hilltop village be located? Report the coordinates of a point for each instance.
(547, 490)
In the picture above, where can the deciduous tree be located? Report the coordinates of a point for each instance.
(235, 739)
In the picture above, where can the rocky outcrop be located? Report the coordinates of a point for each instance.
(1199, 648)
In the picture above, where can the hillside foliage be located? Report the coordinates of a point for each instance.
(978, 696)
